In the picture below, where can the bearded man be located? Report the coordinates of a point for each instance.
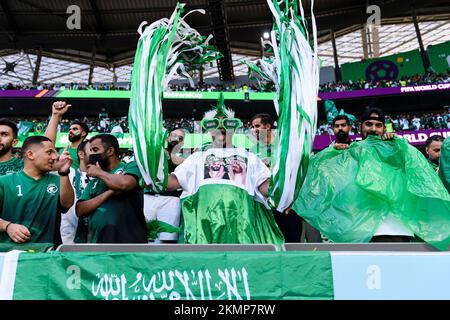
(78, 130)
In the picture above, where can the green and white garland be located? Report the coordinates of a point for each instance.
(166, 48)
(294, 70)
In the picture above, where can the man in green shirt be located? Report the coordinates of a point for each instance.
(8, 139)
(262, 125)
(31, 199)
(433, 150)
(78, 130)
(113, 199)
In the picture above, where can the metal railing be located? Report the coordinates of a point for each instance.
(359, 247)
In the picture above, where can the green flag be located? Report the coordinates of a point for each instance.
(24, 128)
(294, 71)
(40, 128)
(166, 47)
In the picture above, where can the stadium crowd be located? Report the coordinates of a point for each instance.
(429, 78)
(394, 123)
(104, 124)
(93, 176)
(91, 167)
(402, 122)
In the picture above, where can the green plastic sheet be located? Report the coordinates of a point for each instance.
(348, 193)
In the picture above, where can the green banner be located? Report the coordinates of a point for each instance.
(396, 66)
(440, 57)
(185, 95)
(174, 276)
(94, 94)
(386, 68)
(192, 140)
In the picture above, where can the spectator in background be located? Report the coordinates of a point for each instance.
(416, 122)
(446, 115)
(262, 125)
(8, 139)
(394, 121)
(444, 164)
(341, 129)
(103, 125)
(128, 156)
(117, 128)
(78, 131)
(113, 199)
(404, 123)
(433, 150)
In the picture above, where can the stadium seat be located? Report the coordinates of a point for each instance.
(163, 247)
(359, 247)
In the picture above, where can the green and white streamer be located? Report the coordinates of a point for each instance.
(294, 70)
(166, 48)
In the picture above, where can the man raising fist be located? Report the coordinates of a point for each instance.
(78, 130)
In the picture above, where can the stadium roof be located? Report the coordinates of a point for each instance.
(110, 26)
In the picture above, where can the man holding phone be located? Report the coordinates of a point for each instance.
(113, 199)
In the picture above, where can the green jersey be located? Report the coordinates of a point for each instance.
(74, 155)
(12, 165)
(120, 219)
(32, 203)
(266, 152)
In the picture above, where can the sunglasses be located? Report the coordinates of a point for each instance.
(227, 123)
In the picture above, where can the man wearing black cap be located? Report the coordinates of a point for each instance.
(372, 123)
(392, 229)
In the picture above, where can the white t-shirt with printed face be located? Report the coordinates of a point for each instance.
(230, 166)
